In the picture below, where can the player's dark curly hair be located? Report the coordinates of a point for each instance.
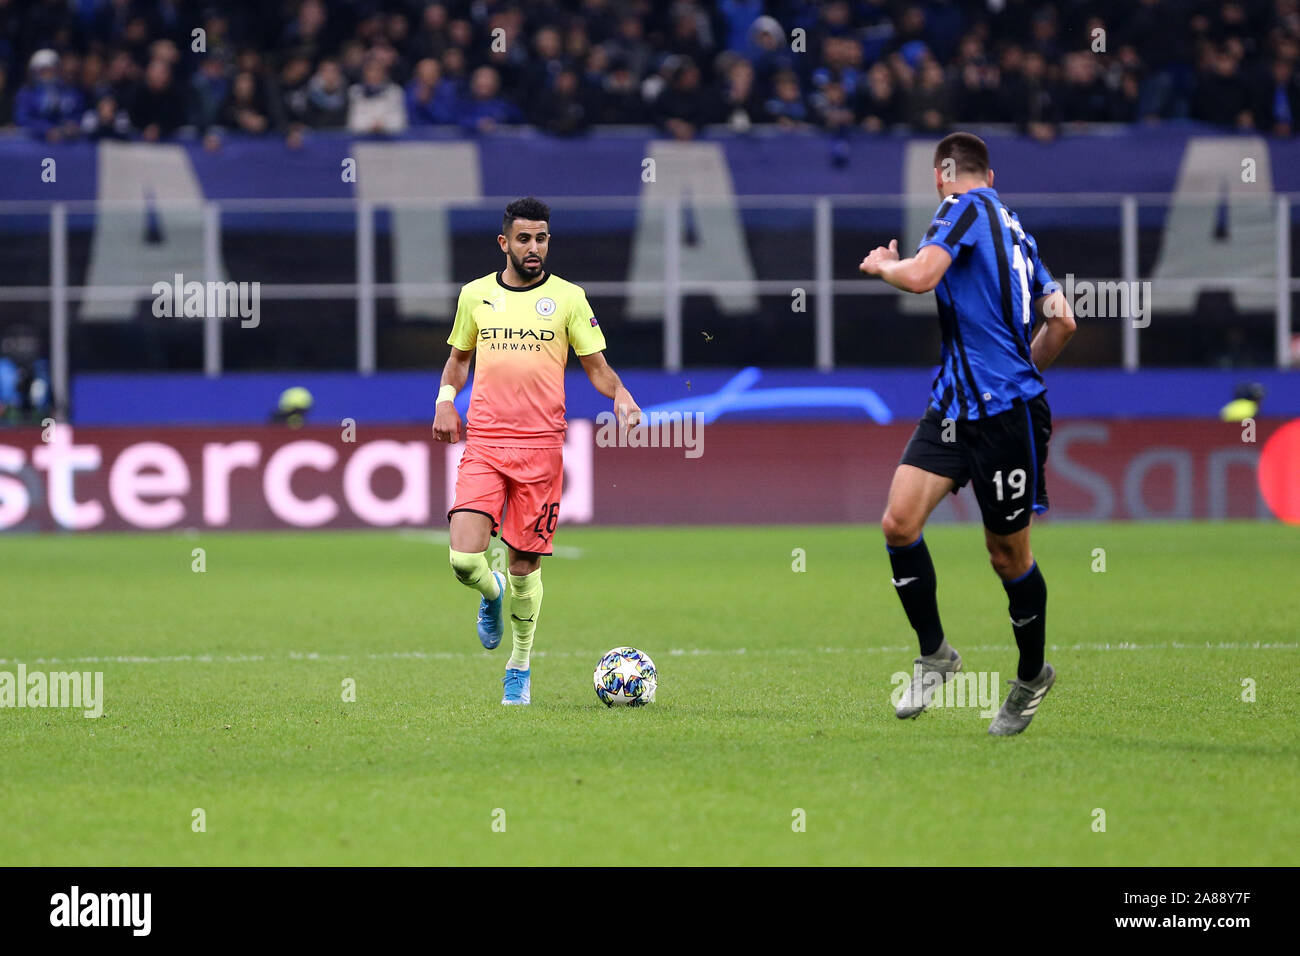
(529, 208)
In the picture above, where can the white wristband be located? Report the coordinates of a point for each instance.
(446, 394)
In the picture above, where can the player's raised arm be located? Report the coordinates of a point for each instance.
(1056, 328)
(921, 273)
(446, 420)
(607, 382)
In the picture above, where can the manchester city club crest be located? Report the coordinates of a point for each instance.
(546, 307)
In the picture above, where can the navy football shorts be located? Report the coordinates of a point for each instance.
(1002, 456)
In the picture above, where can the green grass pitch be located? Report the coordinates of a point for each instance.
(224, 692)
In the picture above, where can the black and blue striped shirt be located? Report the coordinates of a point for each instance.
(985, 306)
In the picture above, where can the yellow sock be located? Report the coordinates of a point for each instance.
(525, 604)
(473, 570)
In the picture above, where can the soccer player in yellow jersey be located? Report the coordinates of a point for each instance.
(520, 322)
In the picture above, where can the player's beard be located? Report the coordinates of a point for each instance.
(527, 272)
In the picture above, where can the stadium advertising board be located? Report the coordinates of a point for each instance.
(141, 479)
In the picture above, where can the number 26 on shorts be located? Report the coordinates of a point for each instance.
(551, 514)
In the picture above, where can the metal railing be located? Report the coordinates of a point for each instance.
(673, 286)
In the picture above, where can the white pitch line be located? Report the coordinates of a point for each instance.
(673, 652)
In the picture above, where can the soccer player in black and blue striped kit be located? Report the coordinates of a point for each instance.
(1003, 320)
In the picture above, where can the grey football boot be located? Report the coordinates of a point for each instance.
(930, 674)
(1022, 703)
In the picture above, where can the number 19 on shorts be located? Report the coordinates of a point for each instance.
(1015, 481)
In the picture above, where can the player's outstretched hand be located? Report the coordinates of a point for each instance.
(446, 423)
(879, 255)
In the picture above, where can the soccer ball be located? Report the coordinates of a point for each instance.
(625, 677)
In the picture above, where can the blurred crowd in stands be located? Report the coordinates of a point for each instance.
(153, 69)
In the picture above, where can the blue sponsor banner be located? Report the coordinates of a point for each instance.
(1139, 160)
(866, 395)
